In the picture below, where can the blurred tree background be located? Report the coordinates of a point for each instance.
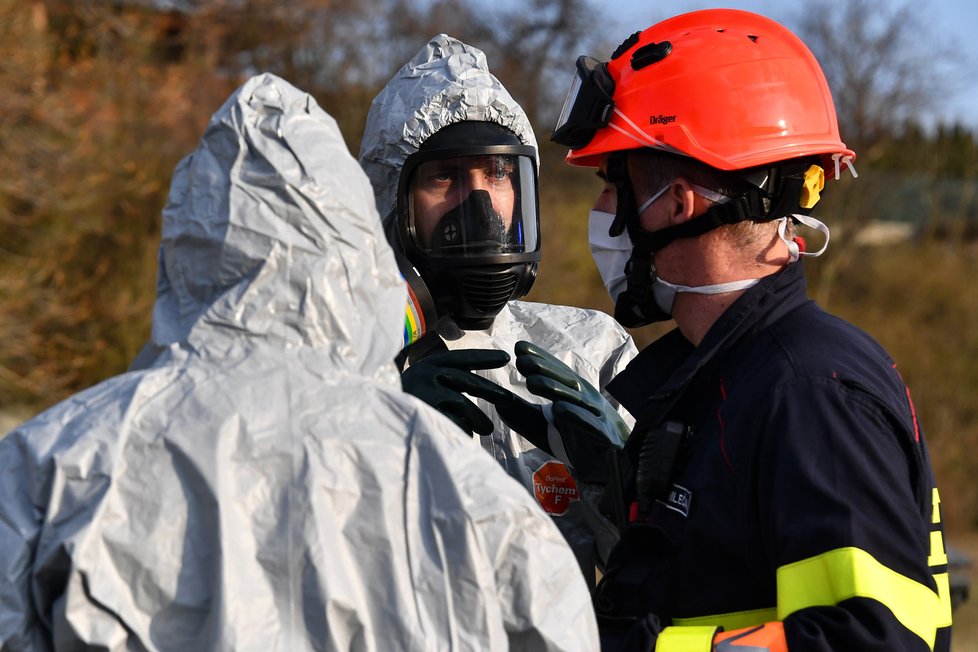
(102, 98)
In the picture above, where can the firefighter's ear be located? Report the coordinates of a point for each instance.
(683, 201)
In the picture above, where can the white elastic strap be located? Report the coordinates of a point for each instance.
(553, 436)
(648, 202)
(811, 223)
(706, 193)
(716, 288)
(712, 195)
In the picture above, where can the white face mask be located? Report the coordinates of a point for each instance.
(610, 253)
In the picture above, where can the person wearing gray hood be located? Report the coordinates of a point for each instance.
(264, 483)
(453, 161)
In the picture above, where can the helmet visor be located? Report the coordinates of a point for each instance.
(588, 104)
(480, 204)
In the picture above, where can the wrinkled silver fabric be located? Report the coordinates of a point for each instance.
(264, 484)
(446, 82)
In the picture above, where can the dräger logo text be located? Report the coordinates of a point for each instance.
(661, 119)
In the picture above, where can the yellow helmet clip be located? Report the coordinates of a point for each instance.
(812, 186)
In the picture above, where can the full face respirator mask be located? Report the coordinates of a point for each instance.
(467, 221)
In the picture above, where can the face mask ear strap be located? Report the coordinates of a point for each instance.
(794, 251)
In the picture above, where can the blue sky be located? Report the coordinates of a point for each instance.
(955, 22)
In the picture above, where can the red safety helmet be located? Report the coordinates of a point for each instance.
(729, 88)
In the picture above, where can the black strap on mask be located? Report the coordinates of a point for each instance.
(736, 210)
(636, 305)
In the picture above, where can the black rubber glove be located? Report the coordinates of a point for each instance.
(590, 427)
(440, 379)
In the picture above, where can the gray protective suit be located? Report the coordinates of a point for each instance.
(264, 484)
(446, 82)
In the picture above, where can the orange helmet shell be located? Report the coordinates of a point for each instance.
(737, 90)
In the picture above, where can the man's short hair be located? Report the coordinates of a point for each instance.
(656, 168)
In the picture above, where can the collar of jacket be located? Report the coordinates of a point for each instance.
(654, 380)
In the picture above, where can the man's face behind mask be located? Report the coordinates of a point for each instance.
(474, 225)
(465, 202)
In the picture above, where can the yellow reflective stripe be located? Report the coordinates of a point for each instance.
(937, 557)
(838, 575)
(685, 639)
(733, 620)
(944, 591)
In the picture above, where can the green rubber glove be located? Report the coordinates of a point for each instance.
(440, 379)
(524, 418)
(588, 442)
(590, 428)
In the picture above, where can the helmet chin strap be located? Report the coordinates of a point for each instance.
(636, 305)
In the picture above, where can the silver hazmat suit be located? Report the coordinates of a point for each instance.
(447, 82)
(264, 484)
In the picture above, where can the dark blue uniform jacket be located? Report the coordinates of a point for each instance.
(805, 494)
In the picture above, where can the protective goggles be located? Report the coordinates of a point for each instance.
(474, 205)
(588, 105)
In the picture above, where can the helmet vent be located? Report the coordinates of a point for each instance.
(752, 37)
(489, 292)
(650, 53)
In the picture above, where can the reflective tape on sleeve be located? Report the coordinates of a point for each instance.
(944, 590)
(685, 639)
(837, 575)
(938, 556)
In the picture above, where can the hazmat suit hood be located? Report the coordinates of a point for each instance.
(240, 259)
(447, 86)
(445, 83)
(262, 482)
